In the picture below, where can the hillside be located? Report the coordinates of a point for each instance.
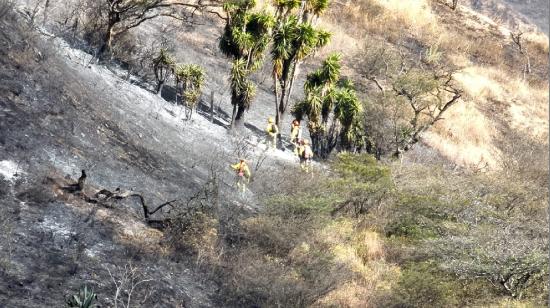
(454, 216)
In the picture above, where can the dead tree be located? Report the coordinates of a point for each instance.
(516, 38)
(123, 15)
(454, 4)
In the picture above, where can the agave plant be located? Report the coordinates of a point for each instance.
(84, 298)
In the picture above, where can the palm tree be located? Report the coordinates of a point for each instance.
(190, 79)
(294, 39)
(245, 39)
(329, 108)
(162, 67)
(346, 111)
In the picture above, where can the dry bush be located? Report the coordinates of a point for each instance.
(261, 280)
(132, 285)
(354, 15)
(193, 224)
(525, 159)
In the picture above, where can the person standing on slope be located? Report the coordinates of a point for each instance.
(272, 132)
(295, 135)
(305, 154)
(242, 175)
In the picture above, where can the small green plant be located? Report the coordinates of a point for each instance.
(84, 298)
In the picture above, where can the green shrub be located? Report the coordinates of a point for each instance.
(422, 285)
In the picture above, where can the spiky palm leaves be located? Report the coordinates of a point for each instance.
(294, 39)
(316, 7)
(190, 77)
(245, 39)
(347, 110)
(327, 101)
(241, 88)
(162, 67)
(326, 76)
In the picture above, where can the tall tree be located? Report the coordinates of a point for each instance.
(294, 39)
(413, 96)
(347, 110)
(331, 107)
(123, 15)
(245, 40)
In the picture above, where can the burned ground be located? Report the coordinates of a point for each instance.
(58, 116)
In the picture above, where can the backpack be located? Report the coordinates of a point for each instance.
(272, 128)
(307, 153)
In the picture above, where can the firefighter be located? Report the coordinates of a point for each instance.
(242, 173)
(305, 154)
(295, 135)
(272, 132)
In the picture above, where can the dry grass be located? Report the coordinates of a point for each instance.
(415, 15)
(525, 105)
(390, 18)
(361, 251)
(470, 130)
(496, 96)
(538, 40)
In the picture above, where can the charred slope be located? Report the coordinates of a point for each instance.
(58, 117)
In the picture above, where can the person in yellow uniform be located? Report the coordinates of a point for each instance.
(295, 135)
(272, 132)
(305, 154)
(242, 175)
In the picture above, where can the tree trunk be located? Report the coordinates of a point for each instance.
(290, 87)
(46, 8)
(107, 41)
(275, 84)
(455, 3)
(239, 118)
(281, 108)
(316, 140)
(212, 106)
(114, 18)
(233, 114)
(160, 86)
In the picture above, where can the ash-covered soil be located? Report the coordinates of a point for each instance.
(59, 115)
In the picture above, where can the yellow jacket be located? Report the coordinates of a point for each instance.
(295, 132)
(305, 151)
(242, 168)
(272, 129)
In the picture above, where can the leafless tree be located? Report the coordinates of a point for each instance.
(518, 41)
(453, 4)
(123, 15)
(411, 97)
(127, 281)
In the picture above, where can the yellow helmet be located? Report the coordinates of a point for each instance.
(270, 120)
(306, 141)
